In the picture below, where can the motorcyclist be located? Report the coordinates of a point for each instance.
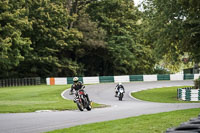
(119, 85)
(77, 85)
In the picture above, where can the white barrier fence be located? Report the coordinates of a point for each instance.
(91, 80)
(117, 79)
(150, 77)
(176, 77)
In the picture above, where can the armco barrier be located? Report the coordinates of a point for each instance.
(104, 79)
(176, 76)
(60, 81)
(136, 77)
(90, 80)
(163, 77)
(150, 77)
(118, 79)
(124, 78)
(188, 94)
(188, 76)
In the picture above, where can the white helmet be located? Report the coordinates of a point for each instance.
(119, 83)
(75, 79)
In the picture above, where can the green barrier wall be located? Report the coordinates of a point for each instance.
(163, 77)
(70, 80)
(199, 95)
(104, 79)
(188, 95)
(188, 76)
(179, 92)
(136, 77)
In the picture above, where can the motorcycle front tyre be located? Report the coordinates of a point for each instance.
(80, 106)
(89, 108)
(120, 96)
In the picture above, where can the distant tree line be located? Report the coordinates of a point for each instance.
(173, 30)
(94, 37)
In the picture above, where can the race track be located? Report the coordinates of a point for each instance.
(99, 93)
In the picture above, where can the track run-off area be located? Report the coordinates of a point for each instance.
(38, 122)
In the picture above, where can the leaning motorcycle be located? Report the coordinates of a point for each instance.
(120, 93)
(81, 101)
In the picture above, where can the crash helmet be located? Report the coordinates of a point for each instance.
(75, 79)
(120, 83)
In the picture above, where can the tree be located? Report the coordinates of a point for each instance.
(126, 52)
(174, 25)
(52, 41)
(74, 7)
(92, 49)
(74, 37)
(13, 45)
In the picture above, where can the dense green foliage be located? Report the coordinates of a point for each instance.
(174, 26)
(126, 53)
(91, 37)
(154, 123)
(14, 46)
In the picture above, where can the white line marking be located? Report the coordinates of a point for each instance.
(132, 96)
(62, 94)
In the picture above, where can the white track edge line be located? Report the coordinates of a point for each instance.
(62, 94)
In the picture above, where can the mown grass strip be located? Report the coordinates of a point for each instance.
(162, 95)
(154, 123)
(33, 98)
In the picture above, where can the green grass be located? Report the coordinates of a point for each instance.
(162, 95)
(32, 98)
(154, 123)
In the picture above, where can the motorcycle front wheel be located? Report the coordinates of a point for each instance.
(89, 108)
(120, 96)
(80, 106)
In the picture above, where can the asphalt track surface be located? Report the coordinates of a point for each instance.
(100, 93)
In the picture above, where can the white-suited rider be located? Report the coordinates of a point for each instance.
(119, 85)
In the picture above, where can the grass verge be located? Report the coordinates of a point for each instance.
(32, 98)
(162, 95)
(154, 123)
